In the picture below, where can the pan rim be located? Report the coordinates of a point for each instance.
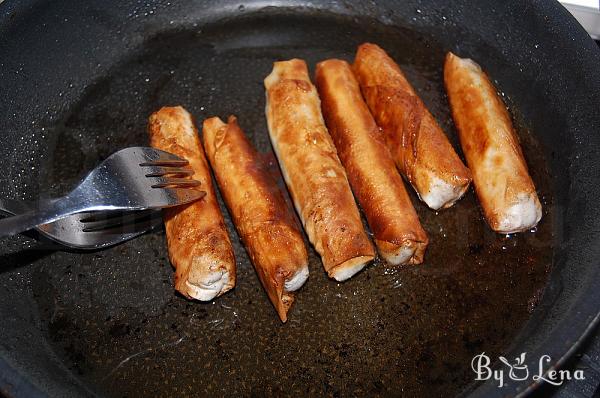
(592, 322)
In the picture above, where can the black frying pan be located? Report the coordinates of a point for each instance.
(78, 81)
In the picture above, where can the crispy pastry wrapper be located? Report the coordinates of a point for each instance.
(197, 239)
(375, 181)
(265, 222)
(312, 171)
(418, 145)
(491, 146)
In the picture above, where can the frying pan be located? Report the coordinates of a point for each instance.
(78, 81)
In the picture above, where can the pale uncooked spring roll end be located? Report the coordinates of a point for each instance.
(213, 286)
(348, 269)
(410, 252)
(522, 216)
(465, 62)
(205, 283)
(296, 281)
(443, 195)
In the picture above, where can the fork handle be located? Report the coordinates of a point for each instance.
(11, 207)
(49, 212)
(24, 222)
(5, 212)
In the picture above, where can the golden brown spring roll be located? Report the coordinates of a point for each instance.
(375, 181)
(263, 219)
(199, 246)
(491, 146)
(312, 171)
(418, 145)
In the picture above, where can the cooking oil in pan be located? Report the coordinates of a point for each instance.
(114, 318)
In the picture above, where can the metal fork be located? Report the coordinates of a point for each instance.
(89, 230)
(135, 178)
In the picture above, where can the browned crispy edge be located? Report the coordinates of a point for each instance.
(474, 127)
(371, 170)
(262, 217)
(416, 141)
(333, 225)
(197, 238)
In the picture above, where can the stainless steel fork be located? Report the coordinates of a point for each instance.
(89, 230)
(135, 178)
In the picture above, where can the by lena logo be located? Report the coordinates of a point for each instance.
(518, 370)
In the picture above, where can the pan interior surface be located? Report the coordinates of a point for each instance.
(114, 320)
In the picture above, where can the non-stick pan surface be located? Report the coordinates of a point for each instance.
(78, 82)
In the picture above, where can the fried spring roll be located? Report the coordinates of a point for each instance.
(263, 219)
(419, 146)
(312, 171)
(491, 147)
(373, 177)
(199, 246)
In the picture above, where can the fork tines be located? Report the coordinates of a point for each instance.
(175, 182)
(162, 168)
